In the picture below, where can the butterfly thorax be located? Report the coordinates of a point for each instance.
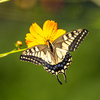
(50, 45)
(52, 51)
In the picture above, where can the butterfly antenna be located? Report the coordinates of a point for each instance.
(58, 80)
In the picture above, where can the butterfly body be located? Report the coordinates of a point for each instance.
(55, 55)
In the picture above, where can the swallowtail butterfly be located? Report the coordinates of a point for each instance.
(55, 56)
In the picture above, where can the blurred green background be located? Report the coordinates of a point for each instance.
(26, 81)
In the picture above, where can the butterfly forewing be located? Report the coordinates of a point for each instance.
(34, 54)
(71, 40)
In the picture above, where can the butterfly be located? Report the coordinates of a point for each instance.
(55, 56)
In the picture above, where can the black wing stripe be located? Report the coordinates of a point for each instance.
(79, 38)
(71, 40)
(34, 54)
(32, 59)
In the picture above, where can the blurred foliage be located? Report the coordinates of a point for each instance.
(26, 81)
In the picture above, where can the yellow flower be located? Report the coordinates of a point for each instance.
(39, 36)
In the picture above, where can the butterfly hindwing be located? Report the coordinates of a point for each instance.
(34, 54)
(71, 40)
(64, 61)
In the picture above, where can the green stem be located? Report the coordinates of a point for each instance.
(13, 51)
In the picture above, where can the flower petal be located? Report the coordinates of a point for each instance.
(32, 41)
(35, 36)
(36, 31)
(48, 28)
(58, 33)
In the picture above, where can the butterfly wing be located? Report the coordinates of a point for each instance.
(71, 40)
(35, 54)
(67, 42)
